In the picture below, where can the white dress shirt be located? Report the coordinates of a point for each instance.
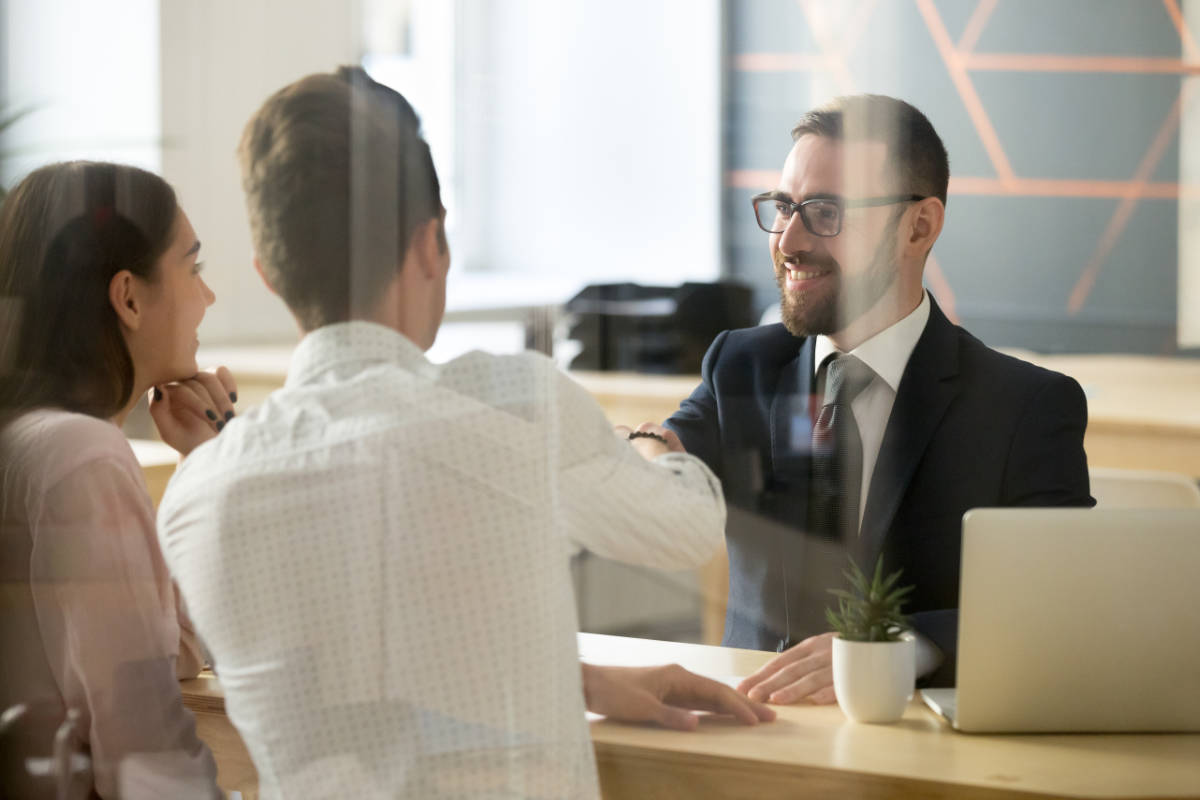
(90, 618)
(377, 558)
(887, 354)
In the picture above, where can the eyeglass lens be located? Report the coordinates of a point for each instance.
(821, 217)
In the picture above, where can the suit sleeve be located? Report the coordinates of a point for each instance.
(696, 422)
(1046, 466)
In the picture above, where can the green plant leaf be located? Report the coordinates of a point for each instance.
(870, 609)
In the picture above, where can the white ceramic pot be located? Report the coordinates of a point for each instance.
(874, 681)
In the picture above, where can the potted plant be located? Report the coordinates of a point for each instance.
(874, 654)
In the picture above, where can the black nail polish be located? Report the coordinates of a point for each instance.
(220, 425)
(157, 394)
(208, 412)
(228, 416)
(233, 397)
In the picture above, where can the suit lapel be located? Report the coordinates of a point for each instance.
(927, 388)
(791, 423)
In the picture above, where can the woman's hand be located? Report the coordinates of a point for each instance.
(188, 413)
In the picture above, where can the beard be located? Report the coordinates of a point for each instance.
(806, 315)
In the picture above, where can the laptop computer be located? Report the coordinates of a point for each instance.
(1075, 620)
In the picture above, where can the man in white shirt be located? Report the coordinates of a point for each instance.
(866, 423)
(377, 557)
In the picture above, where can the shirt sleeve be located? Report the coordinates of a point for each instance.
(106, 606)
(192, 655)
(669, 513)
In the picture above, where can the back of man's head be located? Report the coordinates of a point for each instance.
(915, 151)
(337, 178)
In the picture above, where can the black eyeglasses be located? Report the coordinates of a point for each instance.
(822, 216)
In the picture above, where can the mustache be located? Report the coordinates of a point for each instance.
(805, 260)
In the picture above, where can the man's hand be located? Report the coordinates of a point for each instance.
(802, 672)
(651, 448)
(188, 413)
(664, 695)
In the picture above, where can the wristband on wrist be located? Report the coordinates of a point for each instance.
(647, 435)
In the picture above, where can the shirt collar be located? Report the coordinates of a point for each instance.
(350, 343)
(887, 352)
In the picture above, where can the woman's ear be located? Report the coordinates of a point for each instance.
(122, 293)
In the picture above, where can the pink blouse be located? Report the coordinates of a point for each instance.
(91, 621)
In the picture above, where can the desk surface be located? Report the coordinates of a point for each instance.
(918, 757)
(818, 751)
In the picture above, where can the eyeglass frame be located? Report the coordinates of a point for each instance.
(843, 204)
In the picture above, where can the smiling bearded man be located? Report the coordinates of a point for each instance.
(805, 316)
(866, 423)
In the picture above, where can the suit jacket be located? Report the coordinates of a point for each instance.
(970, 428)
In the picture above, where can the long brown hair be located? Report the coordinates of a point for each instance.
(65, 231)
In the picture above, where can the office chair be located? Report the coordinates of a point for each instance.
(1131, 488)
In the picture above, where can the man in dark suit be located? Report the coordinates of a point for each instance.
(866, 423)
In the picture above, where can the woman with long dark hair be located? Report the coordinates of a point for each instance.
(100, 299)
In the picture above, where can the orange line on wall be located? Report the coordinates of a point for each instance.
(780, 62)
(1022, 62)
(825, 40)
(941, 288)
(1120, 218)
(1185, 35)
(760, 180)
(979, 18)
(1057, 187)
(857, 25)
(966, 90)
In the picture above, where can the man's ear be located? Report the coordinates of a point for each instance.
(429, 243)
(928, 218)
(122, 293)
(259, 269)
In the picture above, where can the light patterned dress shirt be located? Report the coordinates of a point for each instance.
(377, 558)
(89, 619)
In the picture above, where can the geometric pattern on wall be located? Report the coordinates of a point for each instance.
(827, 45)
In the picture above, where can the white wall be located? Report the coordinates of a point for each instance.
(220, 60)
(89, 73)
(589, 139)
(586, 135)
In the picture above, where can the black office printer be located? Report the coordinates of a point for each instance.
(657, 329)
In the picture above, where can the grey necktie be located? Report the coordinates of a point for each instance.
(837, 453)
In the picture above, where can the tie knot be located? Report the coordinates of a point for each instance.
(845, 377)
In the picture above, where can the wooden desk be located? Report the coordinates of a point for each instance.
(158, 462)
(815, 752)
(1144, 413)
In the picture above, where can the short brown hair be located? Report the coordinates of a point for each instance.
(65, 231)
(914, 147)
(337, 177)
